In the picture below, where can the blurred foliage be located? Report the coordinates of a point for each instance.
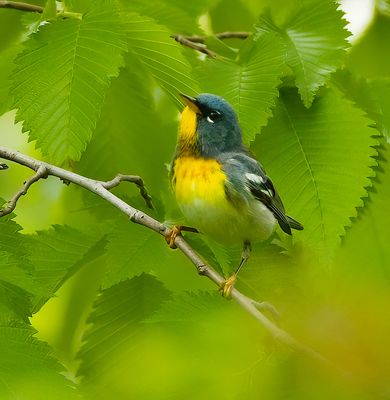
(124, 316)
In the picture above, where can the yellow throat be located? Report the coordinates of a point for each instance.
(187, 131)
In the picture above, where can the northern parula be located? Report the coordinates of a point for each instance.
(221, 189)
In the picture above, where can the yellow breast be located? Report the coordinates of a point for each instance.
(197, 178)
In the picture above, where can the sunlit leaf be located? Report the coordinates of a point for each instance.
(152, 44)
(132, 130)
(165, 13)
(250, 84)
(315, 41)
(60, 102)
(320, 161)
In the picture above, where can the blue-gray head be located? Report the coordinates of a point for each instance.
(209, 126)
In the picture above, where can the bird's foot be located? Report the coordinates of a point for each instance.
(175, 232)
(227, 286)
(172, 235)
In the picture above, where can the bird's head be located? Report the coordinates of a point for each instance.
(208, 126)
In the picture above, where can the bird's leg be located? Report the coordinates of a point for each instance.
(227, 285)
(176, 231)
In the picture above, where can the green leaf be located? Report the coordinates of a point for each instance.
(27, 369)
(77, 5)
(16, 286)
(56, 254)
(194, 8)
(134, 132)
(6, 66)
(366, 244)
(11, 240)
(190, 307)
(220, 47)
(370, 56)
(373, 96)
(11, 27)
(60, 102)
(250, 85)
(116, 325)
(161, 55)
(50, 10)
(132, 249)
(380, 90)
(165, 13)
(315, 42)
(231, 15)
(320, 161)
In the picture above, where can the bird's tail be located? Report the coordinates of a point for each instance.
(294, 223)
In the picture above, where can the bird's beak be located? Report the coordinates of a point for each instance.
(191, 102)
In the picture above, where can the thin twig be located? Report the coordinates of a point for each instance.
(137, 180)
(141, 218)
(194, 45)
(11, 205)
(221, 36)
(232, 35)
(16, 5)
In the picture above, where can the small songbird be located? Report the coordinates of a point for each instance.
(221, 189)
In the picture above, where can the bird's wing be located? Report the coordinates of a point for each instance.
(246, 175)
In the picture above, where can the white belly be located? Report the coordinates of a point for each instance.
(228, 225)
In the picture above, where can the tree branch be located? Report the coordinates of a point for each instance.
(40, 174)
(101, 189)
(21, 6)
(137, 180)
(221, 36)
(197, 42)
(199, 46)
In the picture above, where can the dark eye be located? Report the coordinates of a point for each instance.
(213, 116)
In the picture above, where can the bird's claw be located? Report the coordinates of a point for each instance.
(172, 235)
(227, 286)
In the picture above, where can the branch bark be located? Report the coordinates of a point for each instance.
(11, 205)
(16, 5)
(101, 189)
(196, 45)
(197, 42)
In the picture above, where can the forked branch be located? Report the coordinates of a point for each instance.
(198, 42)
(101, 189)
(11, 204)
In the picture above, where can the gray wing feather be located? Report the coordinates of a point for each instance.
(246, 175)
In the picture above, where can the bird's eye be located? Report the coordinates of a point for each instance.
(213, 116)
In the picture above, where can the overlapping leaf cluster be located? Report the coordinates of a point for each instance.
(98, 92)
